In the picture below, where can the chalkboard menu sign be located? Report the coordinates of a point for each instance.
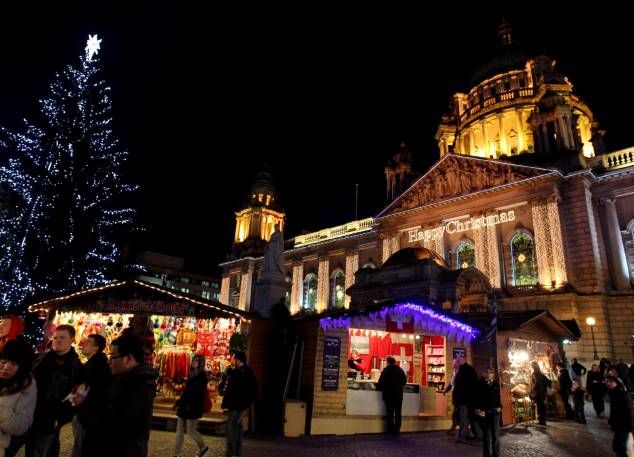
(330, 374)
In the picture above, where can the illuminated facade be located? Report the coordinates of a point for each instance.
(516, 105)
(523, 191)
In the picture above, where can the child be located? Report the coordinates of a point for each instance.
(577, 397)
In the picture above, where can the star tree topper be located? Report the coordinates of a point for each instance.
(92, 46)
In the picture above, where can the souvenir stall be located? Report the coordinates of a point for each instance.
(515, 362)
(525, 337)
(421, 340)
(174, 327)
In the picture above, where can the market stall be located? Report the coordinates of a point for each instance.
(173, 326)
(524, 337)
(421, 340)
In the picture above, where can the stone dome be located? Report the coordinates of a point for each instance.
(413, 255)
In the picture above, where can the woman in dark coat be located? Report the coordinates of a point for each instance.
(620, 415)
(189, 408)
(596, 388)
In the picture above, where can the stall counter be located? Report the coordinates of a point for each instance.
(363, 399)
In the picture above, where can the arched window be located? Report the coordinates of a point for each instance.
(369, 265)
(465, 254)
(338, 290)
(310, 291)
(287, 294)
(523, 258)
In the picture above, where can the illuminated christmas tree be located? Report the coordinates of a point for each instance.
(62, 214)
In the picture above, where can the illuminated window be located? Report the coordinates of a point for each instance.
(310, 291)
(523, 258)
(338, 290)
(465, 254)
(260, 196)
(268, 200)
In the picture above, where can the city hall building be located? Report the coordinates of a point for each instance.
(524, 200)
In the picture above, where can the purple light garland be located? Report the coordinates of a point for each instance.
(424, 318)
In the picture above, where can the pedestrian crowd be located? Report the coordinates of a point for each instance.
(108, 400)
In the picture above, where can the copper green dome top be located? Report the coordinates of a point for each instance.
(508, 56)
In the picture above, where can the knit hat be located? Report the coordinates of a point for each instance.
(18, 351)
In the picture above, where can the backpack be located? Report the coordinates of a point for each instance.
(206, 402)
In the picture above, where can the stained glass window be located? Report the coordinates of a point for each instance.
(523, 258)
(338, 293)
(310, 291)
(465, 254)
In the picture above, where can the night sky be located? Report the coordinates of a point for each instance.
(204, 97)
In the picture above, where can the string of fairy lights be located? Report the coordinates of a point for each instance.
(60, 232)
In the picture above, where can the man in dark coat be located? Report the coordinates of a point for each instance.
(565, 388)
(241, 390)
(620, 414)
(578, 371)
(540, 384)
(96, 380)
(124, 424)
(464, 391)
(391, 383)
(56, 372)
(488, 406)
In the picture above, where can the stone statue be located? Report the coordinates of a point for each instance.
(273, 253)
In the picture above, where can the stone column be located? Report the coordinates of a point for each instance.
(556, 241)
(504, 149)
(485, 143)
(386, 247)
(616, 250)
(323, 284)
(352, 265)
(521, 143)
(244, 303)
(224, 289)
(297, 287)
(494, 255)
(487, 252)
(543, 244)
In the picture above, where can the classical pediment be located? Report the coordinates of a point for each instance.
(456, 176)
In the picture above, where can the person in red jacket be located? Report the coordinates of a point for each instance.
(10, 328)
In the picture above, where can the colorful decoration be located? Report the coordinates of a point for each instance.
(425, 319)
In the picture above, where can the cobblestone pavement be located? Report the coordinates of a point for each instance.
(559, 439)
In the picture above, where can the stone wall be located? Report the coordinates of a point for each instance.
(581, 237)
(614, 315)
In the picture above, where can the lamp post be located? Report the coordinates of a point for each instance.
(591, 321)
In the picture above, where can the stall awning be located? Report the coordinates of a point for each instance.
(538, 324)
(135, 296)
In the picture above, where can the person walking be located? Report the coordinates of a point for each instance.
(488, 407)
(464, 389)
(540, 384)
(97, 376)
(596, 388)
(391, 383)
(241, 390)
(577, 398)
(578, 371)
(565, 388)
(189, 407)
(620, 415)
(56, 372)
(124, 424)
(18, 391)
